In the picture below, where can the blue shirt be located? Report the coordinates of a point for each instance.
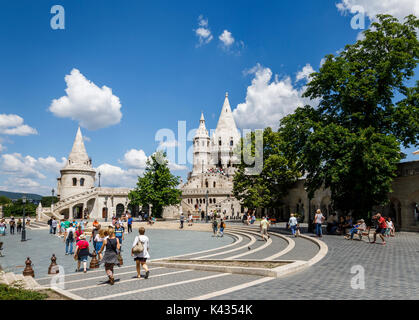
(119, 232)
(129, 220)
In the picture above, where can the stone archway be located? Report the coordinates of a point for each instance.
(414, 208)
(65, 213)
(78, 211)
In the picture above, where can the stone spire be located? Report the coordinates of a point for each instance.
(226, 120)
(202, 130)
(78, 156)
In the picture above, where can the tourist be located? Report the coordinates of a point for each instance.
(381, 227)
(389, 229)
(69, 239)
(12, 223)
(141, 256)
(82, 253)
(95, 223)
(253, 219)
(392, 227)
(264, 224)
(74, 224)
(95, 231)
(110, 258)
(202, 215)
(119, 232)
(78, 233)
(54, 225)
(2, 228)
(358, 228)
(190, 220)
(182, 220)
(292, 222)
(215, 227)
(66, 224)
(98, 241)
(62, 227)
(318, 220)
(332, 222)
(222, 227)
(50, 225)
(19, 226)
(129, 222)
(28, 221)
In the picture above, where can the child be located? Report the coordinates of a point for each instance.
(222, 227)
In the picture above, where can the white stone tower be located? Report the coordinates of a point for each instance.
(201, 149)
(225, 139)
(78, 174)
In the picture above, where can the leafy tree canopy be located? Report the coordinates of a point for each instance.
(157, 187)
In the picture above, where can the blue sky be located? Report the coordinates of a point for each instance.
(149, 55)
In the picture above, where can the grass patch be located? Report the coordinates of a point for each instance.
(10, 293)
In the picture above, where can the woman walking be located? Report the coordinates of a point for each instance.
(318, 220)
(82, 253)
(19, 226)
(140, 252)
(110, 258)
(78, 233)
(98, 242)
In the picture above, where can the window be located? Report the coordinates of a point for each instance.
(213, 200)
(82, 182)
(214, 184)
(219, 142)
(206, 183)
(231, 142)
(74, 182)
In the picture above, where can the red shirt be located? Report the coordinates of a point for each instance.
(83, 244)
(78, 234)
(382, 223)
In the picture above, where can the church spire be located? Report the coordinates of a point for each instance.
(78, 155)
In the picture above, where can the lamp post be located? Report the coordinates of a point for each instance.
(206, 206)
(106, 207)
(52, 206)
(24, 216)
(99, 178)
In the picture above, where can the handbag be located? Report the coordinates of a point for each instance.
(138, 248)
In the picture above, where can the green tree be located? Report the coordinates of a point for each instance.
(47, 201)
(264, 190)
(16, 209)
(351, 142)
(4, 201)
(157, 187)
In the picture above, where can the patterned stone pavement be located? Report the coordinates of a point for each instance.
(391, 272)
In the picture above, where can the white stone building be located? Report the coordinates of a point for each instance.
(78, 194)
(211, 180)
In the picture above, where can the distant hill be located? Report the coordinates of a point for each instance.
(17, 196)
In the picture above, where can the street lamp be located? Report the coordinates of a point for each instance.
(106, 206)
(24, 216)
(99, 178)
(206, 206)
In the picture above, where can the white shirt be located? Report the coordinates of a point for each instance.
(293, 221)
(98, 238)
(54, 223)
(146, 244)
(71, 229)
(319, 218)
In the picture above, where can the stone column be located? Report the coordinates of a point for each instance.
(39, 212)
(70, 212)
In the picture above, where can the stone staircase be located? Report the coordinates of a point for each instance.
(18, 280)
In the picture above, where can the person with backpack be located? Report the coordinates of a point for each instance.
(50, 225)
(69, 239)
(182, 220)
(54, 224)
(222, 227)
(140, 252)
(214, 227)
(110, 258)
(82, 253)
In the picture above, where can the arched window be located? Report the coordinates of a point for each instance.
(82, 182)
(219, 141)
(214, 184)
(231, 142)
(74, 182)
(210, 200)
(206, 183)
(213, 200)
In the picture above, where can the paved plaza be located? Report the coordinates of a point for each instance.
(390, 271)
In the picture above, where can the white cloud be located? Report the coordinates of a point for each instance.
(12, 124)
(397, 8)
(93, 107)
(305, 73)
(134, 159)
(51, 164)
(268, 100)
(203, 32)
(226, 38)
(113, 176)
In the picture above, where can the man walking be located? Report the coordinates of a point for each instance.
(129, 222)
(182, 220)
(264, 224)
(293, 225)
(54, 224)
(69, 239)
(381, 228)
(50, 225)
(12, 225)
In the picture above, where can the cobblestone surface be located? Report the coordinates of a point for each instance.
(391, 272)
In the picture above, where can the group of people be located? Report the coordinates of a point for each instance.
(107, 243)
(218, 227)
(13, 225)
(216, 170)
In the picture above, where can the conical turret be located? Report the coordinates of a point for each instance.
(226, 120)
(78, 156)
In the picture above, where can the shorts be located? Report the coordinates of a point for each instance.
(380, 230)
(141, 259)
(264, 231)
(83, 258)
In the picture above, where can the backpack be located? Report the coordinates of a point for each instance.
(70, 236)
(139, 247)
